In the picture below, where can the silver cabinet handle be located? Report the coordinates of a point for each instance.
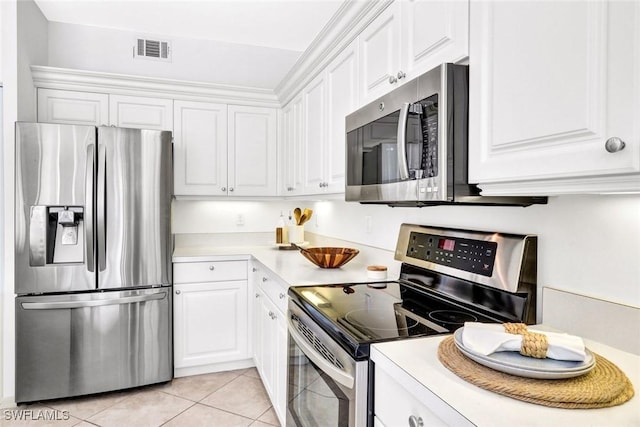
(254, 269)
(271, 314)
(614, 144)
(281, 295)
(177, 292)
(264, 279)
(257, 295)
(392, 79)
(211, 267)
(401, 75)
(224, 189)
(415, 421)
(231, 189)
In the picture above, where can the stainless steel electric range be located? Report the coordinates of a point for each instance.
(447, 277)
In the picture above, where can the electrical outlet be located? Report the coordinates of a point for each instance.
(240, 219)
(368, 224)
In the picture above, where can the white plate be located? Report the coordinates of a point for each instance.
(514, 363)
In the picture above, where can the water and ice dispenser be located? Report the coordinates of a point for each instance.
(56, 235)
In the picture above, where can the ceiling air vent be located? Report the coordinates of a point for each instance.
(159, 50)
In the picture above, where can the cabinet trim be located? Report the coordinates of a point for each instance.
(124, 84)
(592, 185)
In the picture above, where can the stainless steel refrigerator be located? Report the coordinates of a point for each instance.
(93, 259)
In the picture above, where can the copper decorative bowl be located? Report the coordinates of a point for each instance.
(329, 257)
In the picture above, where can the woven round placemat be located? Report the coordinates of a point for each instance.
(605, 385)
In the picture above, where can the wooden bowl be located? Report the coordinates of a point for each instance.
(329, 257)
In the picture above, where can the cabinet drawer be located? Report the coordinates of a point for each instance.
(274, 288)
(193, 272)
(394, 404)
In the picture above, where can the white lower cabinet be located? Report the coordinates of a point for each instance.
(210, 317)
(400, 400)
(270, 337)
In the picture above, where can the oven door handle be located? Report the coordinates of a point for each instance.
(336, 374)
(403, 166)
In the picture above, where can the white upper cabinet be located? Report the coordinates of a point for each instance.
(290, 148)
(548, 95)
(200, 148)
(314, 129)
(141, 112)
(75, 108)
(342, 99)
(409, 38)
(224, 150)
(252, 151)
(380, 54)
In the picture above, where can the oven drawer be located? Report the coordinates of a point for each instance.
(197, 272)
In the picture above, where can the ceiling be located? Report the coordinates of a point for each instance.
(283, 24)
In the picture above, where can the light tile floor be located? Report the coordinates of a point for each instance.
(224, 399)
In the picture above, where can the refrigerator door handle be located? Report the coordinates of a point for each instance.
(89, 206)
(91, 303)
(102, 208)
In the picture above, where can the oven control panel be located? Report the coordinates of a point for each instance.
(474, 256)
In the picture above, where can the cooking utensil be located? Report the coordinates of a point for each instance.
(297, 213)
(306, 215)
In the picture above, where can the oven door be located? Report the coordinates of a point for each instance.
(326, 386)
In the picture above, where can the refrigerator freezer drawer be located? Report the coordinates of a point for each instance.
(72, 345)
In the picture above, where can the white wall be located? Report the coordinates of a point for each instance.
(107, 50)
(587, 244)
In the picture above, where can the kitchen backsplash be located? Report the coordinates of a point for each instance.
(587, 244)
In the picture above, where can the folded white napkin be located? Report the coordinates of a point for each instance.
(487, 338)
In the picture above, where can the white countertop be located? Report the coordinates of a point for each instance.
(418, 358)
(290, 265)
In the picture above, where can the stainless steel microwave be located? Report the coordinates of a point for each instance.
(409, 147)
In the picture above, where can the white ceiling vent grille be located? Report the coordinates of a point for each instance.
(158, 50)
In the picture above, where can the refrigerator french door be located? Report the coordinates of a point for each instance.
(93, 259)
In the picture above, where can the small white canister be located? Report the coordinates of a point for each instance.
(296, 233)
(377, 272)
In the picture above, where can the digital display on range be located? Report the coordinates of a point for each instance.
(446, 244)
(475, 256)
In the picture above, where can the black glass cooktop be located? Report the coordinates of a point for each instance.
(357, 315)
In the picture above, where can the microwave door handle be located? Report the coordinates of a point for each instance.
(403, 167)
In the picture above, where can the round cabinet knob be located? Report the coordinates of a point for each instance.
(224, 189)
(211, 267)
(264, 279)
(614, 144)
(281, 295)
(381, 106)
(401, 75)
(392, 79)
(257, 295)
(177, 292)
(231, 189)
(320, 184)
(254, 269)
(415, 421)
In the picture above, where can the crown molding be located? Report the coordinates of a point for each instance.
(124, 84)
(349, 21)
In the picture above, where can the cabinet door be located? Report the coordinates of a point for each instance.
(267, 344)
(342, 99)
(74, 108)
(291, 153)
(282, 371)
(252, 151)
(210, 323)
(433, 32)
(379, 46)
(546, 94)
(200, 149)
(314, 106)
(141, 113)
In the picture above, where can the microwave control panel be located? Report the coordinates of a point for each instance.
(474, 256)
